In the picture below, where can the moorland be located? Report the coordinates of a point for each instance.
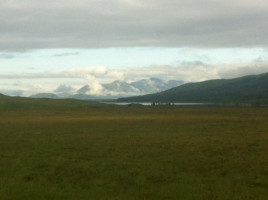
(69, 149)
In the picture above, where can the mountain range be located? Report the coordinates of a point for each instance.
(248, 89)
(112, 90)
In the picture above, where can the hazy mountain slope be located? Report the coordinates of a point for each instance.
(45, 95)
(154, 85)
(244, 89)
(120, 87)
(83, 90)
(64, 91)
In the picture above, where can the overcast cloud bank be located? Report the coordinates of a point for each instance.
(31, 24)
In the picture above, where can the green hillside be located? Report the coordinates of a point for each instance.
(247, 89)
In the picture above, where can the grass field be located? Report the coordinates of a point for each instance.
(113, 152)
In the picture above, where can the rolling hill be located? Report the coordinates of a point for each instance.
(247, 89)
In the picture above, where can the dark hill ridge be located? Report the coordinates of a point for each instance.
(248, 89)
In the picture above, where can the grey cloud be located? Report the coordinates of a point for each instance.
(66, 54)
(192, 63)
(33, 24)
(6, 56)
(244, 70)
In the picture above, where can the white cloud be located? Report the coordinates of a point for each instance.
(95, 86)
(187, 71)
(95, 76)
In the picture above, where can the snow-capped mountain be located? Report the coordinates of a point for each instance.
(64, 90)
(114, 89)
(154, 85)
(122, 88)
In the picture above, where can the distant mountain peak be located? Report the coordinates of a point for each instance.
(83, 90)
(64, 90)
(117, 88)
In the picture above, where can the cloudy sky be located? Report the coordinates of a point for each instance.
(44, 44)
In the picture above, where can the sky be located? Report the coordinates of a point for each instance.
(45, 44)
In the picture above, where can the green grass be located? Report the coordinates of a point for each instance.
(111, 152)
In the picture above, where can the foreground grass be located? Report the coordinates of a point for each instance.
(134, 153)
